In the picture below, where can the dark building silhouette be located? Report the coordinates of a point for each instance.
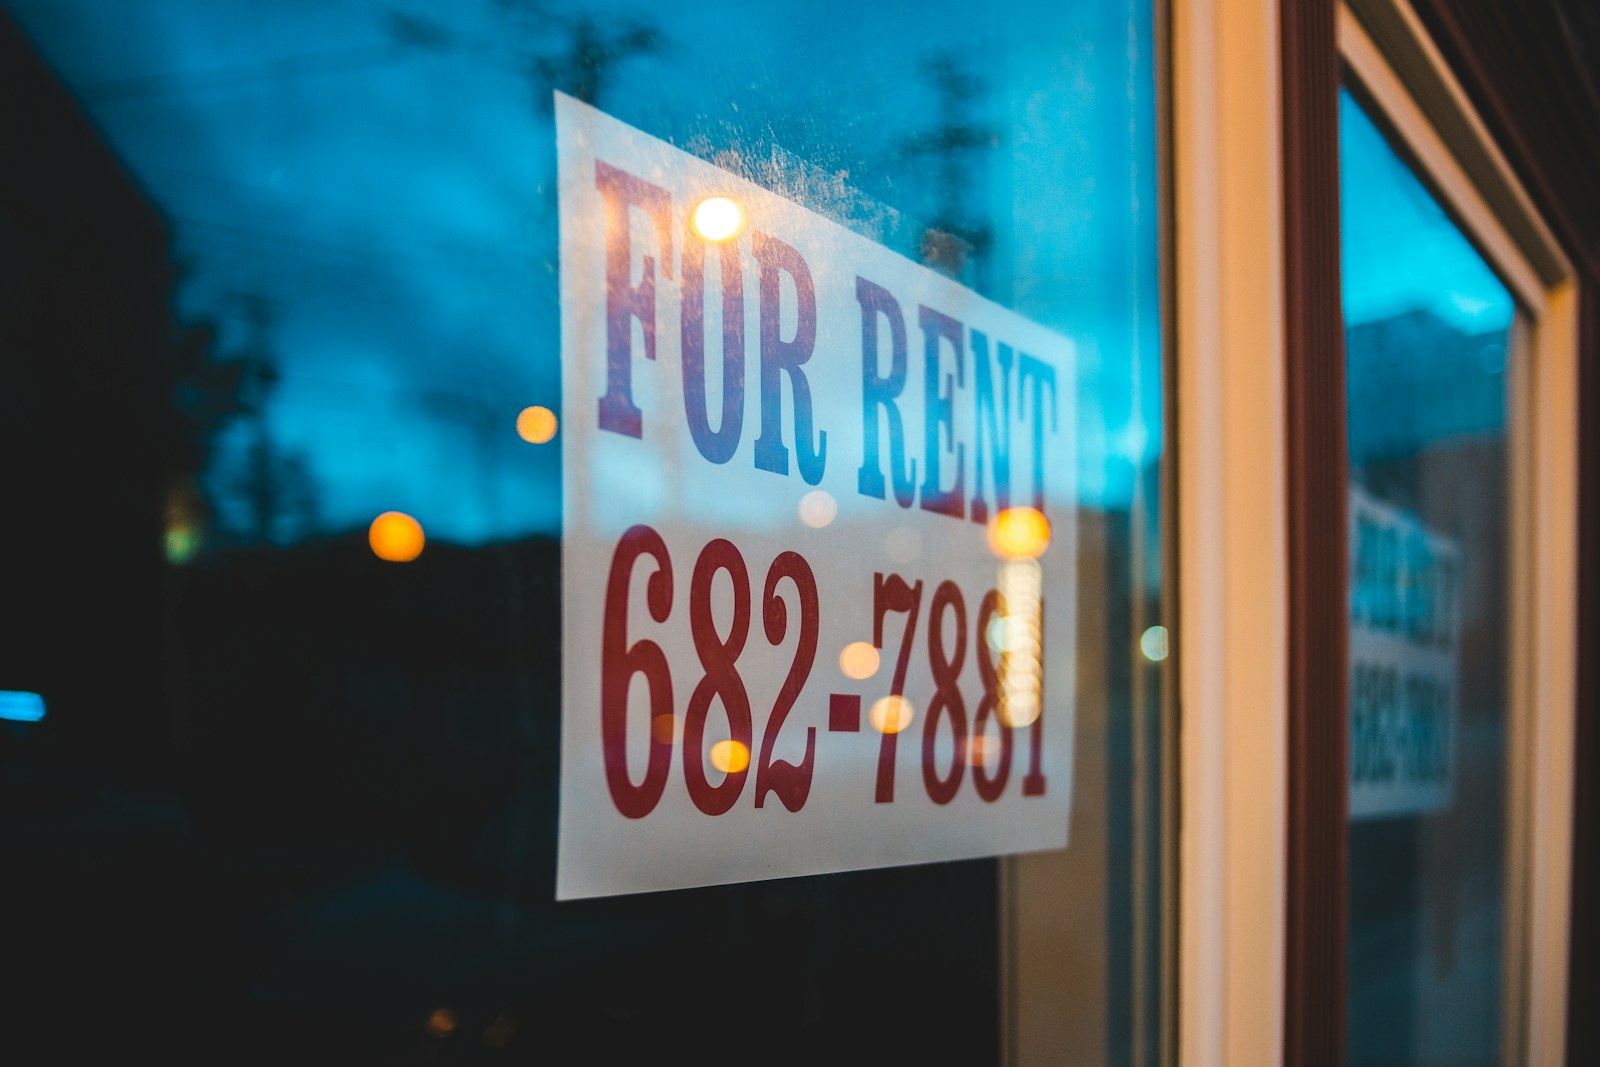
(1416, 379)
(85, 326)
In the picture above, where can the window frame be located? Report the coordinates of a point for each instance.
(1250, 246)
(1230, 503)
(1386, 49)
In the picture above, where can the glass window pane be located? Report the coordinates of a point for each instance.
(280, 387)
(1428, 333)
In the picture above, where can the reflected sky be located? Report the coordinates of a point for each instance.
(1427, 345)
(1401, 252)
(1426, 320)
(365, 190)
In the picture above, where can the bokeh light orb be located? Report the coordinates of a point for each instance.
(891, 714)
(730, 757)
(818, 508)
(1153, 643)
(858, 660)
(396, 537)
(999, 634)
(182, 542)
(1019, 709)
(536, 425)
(664, 728)
(1019, 533)
(718, 218)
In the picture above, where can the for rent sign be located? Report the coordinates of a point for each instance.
(1405, 635)
(795, 637)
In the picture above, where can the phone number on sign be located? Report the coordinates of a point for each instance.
(1003, 707)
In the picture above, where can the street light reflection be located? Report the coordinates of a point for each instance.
(1021, 583)
(664, 728)
(1019, 533)
(891, 714)
(184, 529)
(182, 542)
(718, 218)
(536, 425)
(858, 660)
(818, 508)
(730, 757)
(1007, 633)
(396, 537)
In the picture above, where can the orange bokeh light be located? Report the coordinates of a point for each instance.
(536, 425)
(730, 757)
(664, 728)
(891, 714)
(396, 537)
(1019, 533)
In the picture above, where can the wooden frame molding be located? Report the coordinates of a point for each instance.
(1316, 887)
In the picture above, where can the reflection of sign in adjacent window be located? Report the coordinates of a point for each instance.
(1405, 627)
(790, 644)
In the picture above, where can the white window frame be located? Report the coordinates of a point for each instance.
(1387, 50)
(1232, 640)
(1232, 528)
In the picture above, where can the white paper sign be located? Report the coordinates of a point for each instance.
(782, 452)
(1405, 634)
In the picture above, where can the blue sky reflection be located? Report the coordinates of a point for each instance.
(380, 180)
(1401, 251)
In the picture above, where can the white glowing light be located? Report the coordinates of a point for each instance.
(1021, 709)
(1153, 643)
(1021, 584)
(999, 633)
(818, 508)
(717, 218)
(858, 660)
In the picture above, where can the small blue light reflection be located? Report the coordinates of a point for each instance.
(19, 706)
